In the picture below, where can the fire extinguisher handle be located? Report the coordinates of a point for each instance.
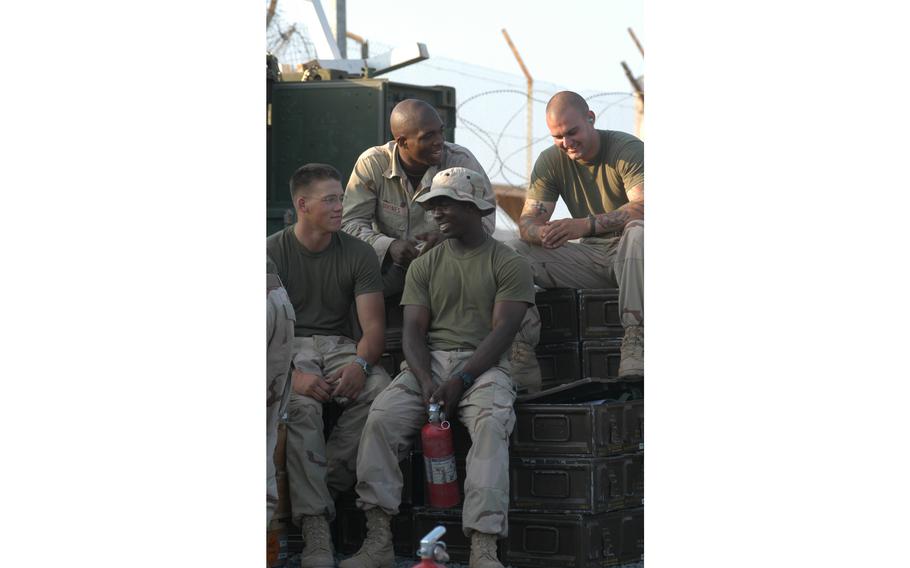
(440, 554)
(429, 544)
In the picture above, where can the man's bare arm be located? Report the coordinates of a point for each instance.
(534, 217)
(616, 220)
(371, 315)
(557, 233)
(507, 316)
(348, 381)
(414, 345)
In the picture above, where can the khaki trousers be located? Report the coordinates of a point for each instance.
(279, 334)
(396, 418)
(525, 368)
(319, 469)
(595, 263)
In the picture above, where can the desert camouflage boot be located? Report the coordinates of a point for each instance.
(632, 353)
(483, 551)
(318, 552)
(376, 551)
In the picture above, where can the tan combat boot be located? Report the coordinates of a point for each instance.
(376, 551)
(483, 551)
(318, 552)
(632, 353)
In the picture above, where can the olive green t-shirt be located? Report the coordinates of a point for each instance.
(590, 188)
(322, 285)
(461, 289)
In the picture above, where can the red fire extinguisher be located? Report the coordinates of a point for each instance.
(439, 460)
(432, 550)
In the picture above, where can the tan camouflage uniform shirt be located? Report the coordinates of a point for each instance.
(379, 204)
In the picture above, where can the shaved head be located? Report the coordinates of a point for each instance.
(565, 100)
(410, 115)
(571, 124)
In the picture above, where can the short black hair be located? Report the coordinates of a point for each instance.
(308, 173)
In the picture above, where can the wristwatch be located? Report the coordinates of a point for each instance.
(467, 379)
(363, 365)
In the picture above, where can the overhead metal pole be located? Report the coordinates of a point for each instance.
(530, 101)
(341, 27)
(271, 12)
(364, 44)
(637, 43)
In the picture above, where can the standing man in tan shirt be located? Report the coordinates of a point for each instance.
(600, 175)
(380, 207)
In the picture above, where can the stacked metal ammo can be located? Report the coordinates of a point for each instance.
(577, 451)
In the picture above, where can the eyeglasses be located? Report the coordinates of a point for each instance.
(331, 199)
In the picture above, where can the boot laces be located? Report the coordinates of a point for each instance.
(376, 535)
(633, 339)
(317, 535)
(485, 547)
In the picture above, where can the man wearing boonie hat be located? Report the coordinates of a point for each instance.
(463, 303)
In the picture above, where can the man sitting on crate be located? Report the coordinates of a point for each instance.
(380, 208)
(463, 303)
(600, 174)
(324, 271)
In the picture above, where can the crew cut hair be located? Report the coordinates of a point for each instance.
(308, 173)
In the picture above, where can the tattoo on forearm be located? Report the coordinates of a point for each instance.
(532, 218)
(531, 229)
(616, 220)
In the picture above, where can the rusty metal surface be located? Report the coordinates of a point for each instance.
(600, 358)
(573, 540)
(568, 430)
(558, 309)
(586, 485)
(598, 313)
(559, 363)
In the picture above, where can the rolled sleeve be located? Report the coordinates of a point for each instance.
(360, 204)
(630, 164)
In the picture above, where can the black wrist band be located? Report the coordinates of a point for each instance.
(591, 220)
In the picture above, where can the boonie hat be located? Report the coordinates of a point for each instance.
(460, 184)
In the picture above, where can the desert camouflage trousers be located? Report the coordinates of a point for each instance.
(279, 335)
(525, 368)
(396, 418)
(320, 469)
(595, 263)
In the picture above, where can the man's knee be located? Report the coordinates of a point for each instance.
(634, 231)
(519, 246)
(529, 331)
(375, 383)
(303, 409)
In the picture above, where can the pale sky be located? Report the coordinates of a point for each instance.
(573, 44)
(577, 43)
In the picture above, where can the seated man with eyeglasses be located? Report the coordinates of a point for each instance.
(325, 271)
